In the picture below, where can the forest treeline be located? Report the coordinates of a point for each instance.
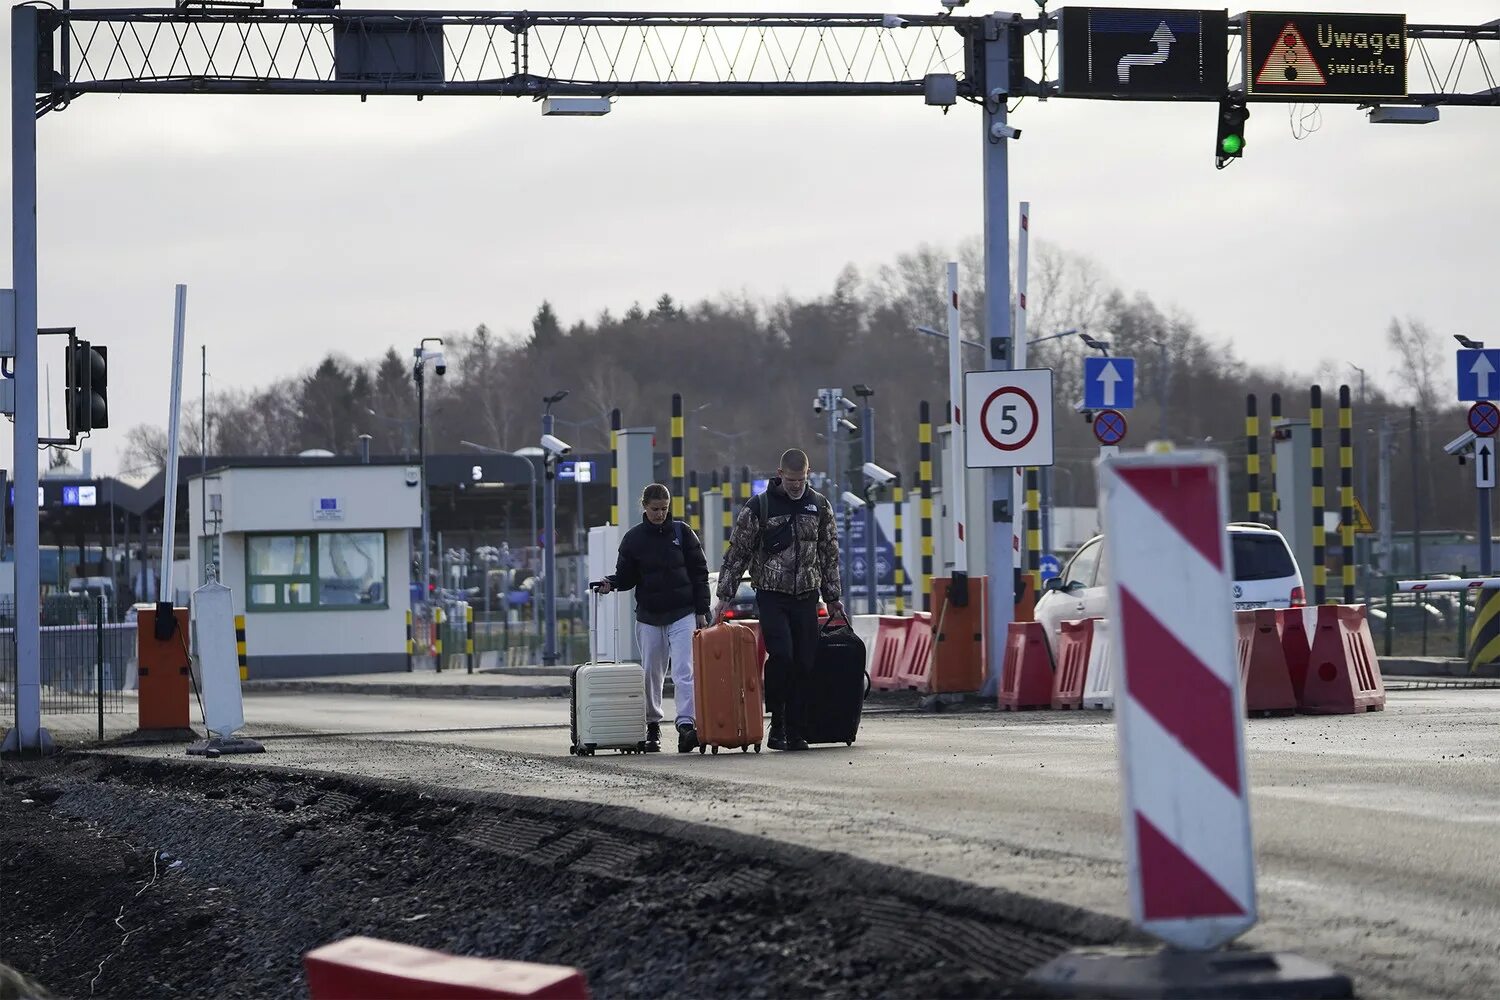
(748, 371)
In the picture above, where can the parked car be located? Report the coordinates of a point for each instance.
(1265, 576)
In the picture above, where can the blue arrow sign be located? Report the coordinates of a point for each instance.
(1109, 383)
(1478, 375)
(1050, 566)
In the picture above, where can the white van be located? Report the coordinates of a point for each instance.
(1265, 576)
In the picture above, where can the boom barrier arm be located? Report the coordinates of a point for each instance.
(1433, 586)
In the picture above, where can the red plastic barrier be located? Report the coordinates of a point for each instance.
(1026, 678)
(1296, 644)
(916, 654)
(890, 645)
(1343, 672)
(1074, 640)
(1264, 676)
(358, 968)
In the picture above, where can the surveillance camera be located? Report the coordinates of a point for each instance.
(849, 405)
(556, 446)
(1462, 444)
(853, 500)
(849, 425)
(892, 21)
(1000, 130)
(879, 476)
(439, 362)
(817, 404)
(951, 4)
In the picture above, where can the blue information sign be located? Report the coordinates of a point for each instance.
(1478, 375)
(1109, 383)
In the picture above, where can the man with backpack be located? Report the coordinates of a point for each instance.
(662, 560)
(788, 538)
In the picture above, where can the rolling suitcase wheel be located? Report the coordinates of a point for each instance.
(757, 748)
(702, 748)
(744, 749)
(716, 750)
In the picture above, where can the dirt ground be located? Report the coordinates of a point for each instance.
(130, 878)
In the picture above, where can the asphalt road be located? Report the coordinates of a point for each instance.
(1376, 835)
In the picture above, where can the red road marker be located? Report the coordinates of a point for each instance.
(1178, 702)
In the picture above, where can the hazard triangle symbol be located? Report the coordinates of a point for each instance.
(1291, 62)
(1362, 525)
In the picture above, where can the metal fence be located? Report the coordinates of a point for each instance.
(1421, 624)
(88, 664)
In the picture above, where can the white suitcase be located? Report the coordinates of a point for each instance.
(608, 710)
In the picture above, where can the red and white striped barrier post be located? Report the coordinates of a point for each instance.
(1180, 712)
(1178, 701)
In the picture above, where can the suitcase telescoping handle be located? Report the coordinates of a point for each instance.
(594, 621)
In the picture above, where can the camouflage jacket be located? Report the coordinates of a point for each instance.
(811, 566)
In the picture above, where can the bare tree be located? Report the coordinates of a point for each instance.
(1416, 348)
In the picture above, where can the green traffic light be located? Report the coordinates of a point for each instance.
(1232, 144)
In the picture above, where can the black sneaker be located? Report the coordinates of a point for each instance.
(783, 740)
(687, 737)
(777, 738)
(653, 737)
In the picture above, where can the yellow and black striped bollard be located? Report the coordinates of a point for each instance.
(1484, 637)
(1346, 491)
(1319, 531)
(469, 636)
(924, 484)
(240, 647)
(1252, 458)
(679, 484)
(614, 466)
(410, 642)
(898, 572)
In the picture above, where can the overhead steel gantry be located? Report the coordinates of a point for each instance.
(230, 50)
(59, 55)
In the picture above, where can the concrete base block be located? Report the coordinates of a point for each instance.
(1168, 973)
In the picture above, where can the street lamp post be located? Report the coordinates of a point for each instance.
(1163, 384)
(423, 355)
(733, 439)
(549, 529)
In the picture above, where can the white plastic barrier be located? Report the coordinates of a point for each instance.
(865, 626)
(1099, 686)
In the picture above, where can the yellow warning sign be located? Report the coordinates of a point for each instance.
(1362, 525)
(1290, 63)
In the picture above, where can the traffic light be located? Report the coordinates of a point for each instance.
(1231, 144)
(87, 395)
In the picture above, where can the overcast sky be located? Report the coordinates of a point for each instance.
(308, 224)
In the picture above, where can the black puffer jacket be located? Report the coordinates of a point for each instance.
(670, 579)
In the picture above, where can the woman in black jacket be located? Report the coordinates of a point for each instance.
(662, 560)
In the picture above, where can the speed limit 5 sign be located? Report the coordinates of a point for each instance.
(1008, 418)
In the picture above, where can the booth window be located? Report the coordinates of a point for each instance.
(330, 569)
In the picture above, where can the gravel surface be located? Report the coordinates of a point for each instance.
(126, 878)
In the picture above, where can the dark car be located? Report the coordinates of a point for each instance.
(743, 606)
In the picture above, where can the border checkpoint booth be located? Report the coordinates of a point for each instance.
(318, 559)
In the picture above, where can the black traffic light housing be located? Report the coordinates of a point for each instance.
(1230, 144)
(87, 396)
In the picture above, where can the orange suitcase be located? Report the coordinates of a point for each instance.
(729, 705)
